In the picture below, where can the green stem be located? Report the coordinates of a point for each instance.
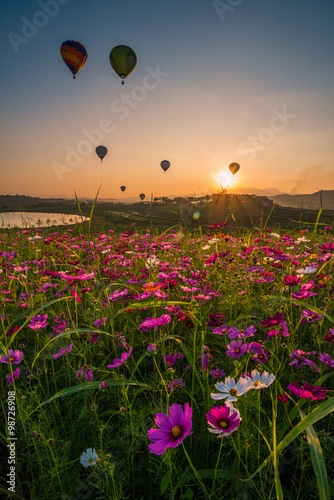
(207, 495)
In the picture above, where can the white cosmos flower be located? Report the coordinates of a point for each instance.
(307, 270)
(230, 389)
(260, 381)
(89, 457)
(152, 262)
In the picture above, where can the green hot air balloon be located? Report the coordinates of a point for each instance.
(123, 60)
(234, 167)
(142, 196)
(101, 151)
(123, 188)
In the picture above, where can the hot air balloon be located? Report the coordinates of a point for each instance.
(234, 167)
(74, 55)
(101, 151)
(123, 188)
(142, 196)
(165, 165)
(123, 60)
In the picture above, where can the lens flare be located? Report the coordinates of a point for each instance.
(196, 215)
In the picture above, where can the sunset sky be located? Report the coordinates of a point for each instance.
(215, 82)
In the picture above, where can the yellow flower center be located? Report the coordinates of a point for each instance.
(233, 392)
(256, 383)
(11, 359)
(90, 460)
(176, 431)
(237, 351)
(223, 424)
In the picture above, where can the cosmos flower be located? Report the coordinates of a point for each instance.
(260, 381)
(62, 351)
(151, 349)
(307, 391)
(16, 374)
(120, 361)
(169, 360)
(231, 390)
(176, 384)
(85, 371)
(292, 280)
(172, 430)
(15, 357)
(216, 373)
(205, 358)
(283, 399)
(326, 358)
(89, 457)
(236, 349)
(38, 322)
(118, 295)
(298, 357)
(223, 420)
(310, 316)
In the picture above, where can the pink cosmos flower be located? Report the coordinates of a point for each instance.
(298, 357)
(292, 280)
(176, 384)
(216, 373)
(85, 371)
(326, 358)
(63, 350)
(16, 374)
(223, 420)
(169, 360)
(205, 358)
(236, 349)
(310, 316)
(120, 361)
(307, 391)
(172, 430)
(38, 322)
(15, 357)
(283, 399)
(118, 295)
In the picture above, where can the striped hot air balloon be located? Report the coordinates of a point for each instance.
(74, 55)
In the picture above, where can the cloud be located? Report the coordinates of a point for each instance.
(313, 178)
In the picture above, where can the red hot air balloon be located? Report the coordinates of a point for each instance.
(123, 188)
(74, 55)
(101, 151)
(165, 165)
(142, 196)
(234, 167)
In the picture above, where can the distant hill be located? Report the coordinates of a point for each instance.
(309, 201)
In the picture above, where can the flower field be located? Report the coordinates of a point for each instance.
(172, 365)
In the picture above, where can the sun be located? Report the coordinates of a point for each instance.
(225, 179)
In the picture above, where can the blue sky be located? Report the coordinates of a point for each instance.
(227, 78)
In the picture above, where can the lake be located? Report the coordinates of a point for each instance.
(36, 219)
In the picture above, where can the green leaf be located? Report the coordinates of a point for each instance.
(188, 494)
(165, 482)
(88, 387)
(317, 414)
(318, 461)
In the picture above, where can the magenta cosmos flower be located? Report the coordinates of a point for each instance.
(16, 374)
(236, 349)
(63, 350)
(120, 361)
(85, 371)
(15, 357)
(308, 391)
(38, 322)
(223, 420)
(172, 430)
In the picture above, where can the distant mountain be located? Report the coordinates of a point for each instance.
(312, 201)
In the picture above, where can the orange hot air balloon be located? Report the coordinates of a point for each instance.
(74, 55)
(234, 167)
